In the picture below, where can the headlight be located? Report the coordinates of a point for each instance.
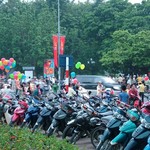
(119, 116)
(70, 122)
(147, 125)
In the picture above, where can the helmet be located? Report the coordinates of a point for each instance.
(146, 108)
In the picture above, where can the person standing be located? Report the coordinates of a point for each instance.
(128, 88)
(100, 89)
(55, 87)
(141, 90)
(133, 94)
(139, 79)
(37, 94)
(18, 88)
(71, 92)
(123, 96)
(120, 79)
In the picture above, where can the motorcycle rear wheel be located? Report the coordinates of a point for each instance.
(95, 134)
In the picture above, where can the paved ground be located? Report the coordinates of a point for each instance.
(85, 144)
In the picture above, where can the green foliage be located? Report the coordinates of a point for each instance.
(92, 30)
(17, 139)
(131, 53)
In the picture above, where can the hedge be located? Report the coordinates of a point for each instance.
(22, 139)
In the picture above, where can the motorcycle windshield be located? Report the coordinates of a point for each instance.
(113, 123)
(60, 114)
(128, 127)
(141, 133)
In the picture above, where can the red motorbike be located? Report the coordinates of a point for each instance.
(19, 114)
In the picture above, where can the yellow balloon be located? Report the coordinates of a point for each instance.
(82, 66)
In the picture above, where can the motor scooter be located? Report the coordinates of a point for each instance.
(19, 113)
(112, 129)
(61, 117)
(140, 135)
(45, 117)
(147, 147)
(31, 115)
(126, 130)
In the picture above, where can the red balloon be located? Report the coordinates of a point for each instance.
(11, 60)
(3, 59)
(2, 68)
(16, 76)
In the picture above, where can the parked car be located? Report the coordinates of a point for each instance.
(90, 82)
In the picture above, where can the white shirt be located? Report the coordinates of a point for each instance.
(71, 92)
(99, 89)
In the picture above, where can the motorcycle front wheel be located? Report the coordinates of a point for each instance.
(75, 137)
(68, 132)
(114, 147)
(95, 135)
(50, 132)
(104, 145)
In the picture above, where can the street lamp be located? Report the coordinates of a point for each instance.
(91, 62)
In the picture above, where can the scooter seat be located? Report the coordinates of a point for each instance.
(106, 113)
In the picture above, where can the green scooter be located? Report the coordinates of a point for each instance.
(126, 130)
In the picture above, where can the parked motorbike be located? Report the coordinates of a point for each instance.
(85, 123)
(61, 117)
(140, 135)
(19, 113)
(45, 117)
(112, 129)
(105, 115)
(147, 147)
(31, 115)
(126, 130)
(2, 104)
(7, 108)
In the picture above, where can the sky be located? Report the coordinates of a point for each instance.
(132, 1)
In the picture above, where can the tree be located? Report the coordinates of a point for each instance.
(130, 53)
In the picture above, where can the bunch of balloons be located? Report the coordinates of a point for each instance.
(7, 64)
(79, 65)
(17, 75)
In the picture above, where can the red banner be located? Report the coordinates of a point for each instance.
(55, 51)
(62, 44)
